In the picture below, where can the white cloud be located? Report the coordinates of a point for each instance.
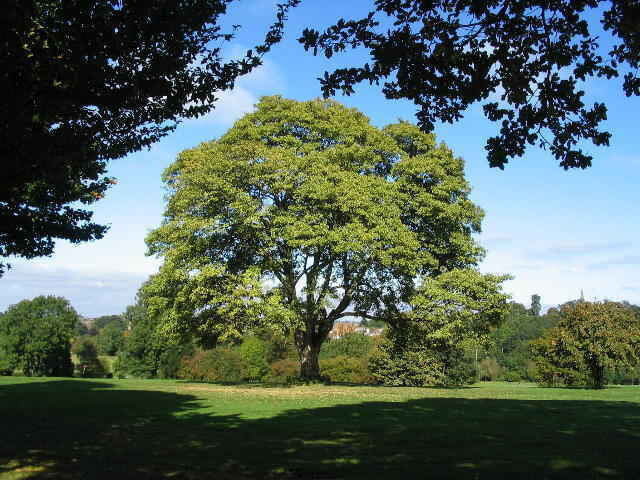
(231, 106)
(560, 275)
(90, 293)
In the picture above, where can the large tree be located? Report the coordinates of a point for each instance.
(589, 338)
(302, 214)
(35, 336)
(85, 82)
(525, 60)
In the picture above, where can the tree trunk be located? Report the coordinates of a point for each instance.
(308, 344)
(309, 366)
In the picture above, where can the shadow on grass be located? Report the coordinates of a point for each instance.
(84, 429)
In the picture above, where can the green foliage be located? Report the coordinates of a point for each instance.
(89, 365)
(284, 372)
(403, 362)
(536, 305)
(110, 338)
(427, 348)
(372, 323)
(509, 342)
(341, 217)
(447, 56)
(489, 369)
(346, 369)
(590, 338)
(147, 352)
(222, 364)
(354, 345)
(90, 82)
(81, 329)
(255, 352)
(35, 337)
(101, 322)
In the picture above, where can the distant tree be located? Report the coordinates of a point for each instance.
(339, 218)
(90, 81)
(36, 336)
(372, 323)
(89, 365)
(81, 329)
(110, 339)
(100, 322)
(524, 60)
(148, 352)
(536, 305)
(590, 337)
(509, 342)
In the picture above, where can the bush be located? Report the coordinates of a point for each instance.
(512, 376)
(346, 369)
(489, 369)
(254, 353)
(222, 364)
(398, 364)
(350, 345)
(285, 371)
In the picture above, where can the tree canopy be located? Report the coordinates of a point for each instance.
(425, 347)
(303, 213)
(87, 82)
(526, 60)
(589, 337)
(35, 337)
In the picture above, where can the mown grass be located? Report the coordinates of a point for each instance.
(72, 428)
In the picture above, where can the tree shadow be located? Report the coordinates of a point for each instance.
(84, 429)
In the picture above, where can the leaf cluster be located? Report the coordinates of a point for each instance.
(91, 81)
(525, 61)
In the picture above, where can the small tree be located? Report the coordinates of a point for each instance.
(37, 336)
(590, 337)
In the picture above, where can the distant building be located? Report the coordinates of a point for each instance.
(340, 329)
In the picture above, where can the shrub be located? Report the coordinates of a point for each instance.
(489, 369)
(254, 354)
(284, 371)
(399, 363)
(350, 345)
(346, 369)
(511, 376)
(222, 364)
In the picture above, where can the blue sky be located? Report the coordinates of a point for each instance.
(555, 231)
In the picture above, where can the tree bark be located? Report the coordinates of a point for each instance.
(309, 365)
(308, 343)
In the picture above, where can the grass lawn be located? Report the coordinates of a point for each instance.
(72, 428)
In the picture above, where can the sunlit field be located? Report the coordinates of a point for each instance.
(72, 428)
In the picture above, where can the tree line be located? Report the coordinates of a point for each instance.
(578, 343)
